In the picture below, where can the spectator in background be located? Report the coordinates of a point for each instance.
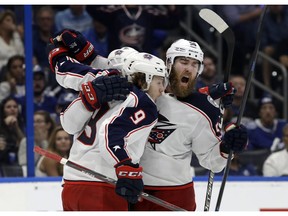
(11, 130)
(243, 20)
(10, 40)
(97, 35)
(250, 111)
(43, 127)
(264, 130)
(134, 25)
(43, 30)
(237, 168)
(14, 81)
(42, 101)
(209, 76)
(275, 27)
(74, 17)
(277, 163)
(60, 143)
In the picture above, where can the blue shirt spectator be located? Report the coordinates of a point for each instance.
(75, 17)
(264, 130)
(97, 35)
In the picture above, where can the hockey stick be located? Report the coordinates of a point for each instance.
(209, 191)
(242, 107)
(226, 32)
(99, 176)
(220, 25)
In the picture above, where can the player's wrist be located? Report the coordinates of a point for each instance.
(89, 97)
(86, 104)
(56, 54)
(225, 155)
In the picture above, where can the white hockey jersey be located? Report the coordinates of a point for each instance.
(114, 133)
(183, 126)
(117, 131)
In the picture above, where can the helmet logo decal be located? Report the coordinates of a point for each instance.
(180, 49)
(147, 56)
(192, 44)
(119, 52)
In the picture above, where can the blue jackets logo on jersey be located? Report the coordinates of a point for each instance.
(161, 131)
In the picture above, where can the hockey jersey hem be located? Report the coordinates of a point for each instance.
(178, 187)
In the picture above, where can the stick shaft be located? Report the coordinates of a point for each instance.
(209, 191)
(99, 176)
(226, 32)
(242, 107)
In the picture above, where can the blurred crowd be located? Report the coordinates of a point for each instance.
(148, 29)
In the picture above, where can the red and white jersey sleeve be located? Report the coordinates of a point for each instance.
(75, 117)
(71, 74)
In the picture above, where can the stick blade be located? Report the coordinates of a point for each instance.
(213, 19)
(48, 154)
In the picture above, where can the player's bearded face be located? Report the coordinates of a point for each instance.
(183, 76)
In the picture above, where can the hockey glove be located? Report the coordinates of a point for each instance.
(219, 90)
(104, 89)
(79, 48)
(235, 139)
(225, 91)
(55, 54)
(129, 184)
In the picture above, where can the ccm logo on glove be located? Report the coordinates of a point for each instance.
(129, 172)
(88, 92)
(89, 50)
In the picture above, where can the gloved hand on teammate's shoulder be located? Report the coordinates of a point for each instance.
(225, 91)
(235, 139)
(79, 47)
(129, 184)
(104, 89)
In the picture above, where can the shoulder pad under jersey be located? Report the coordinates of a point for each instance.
(205, 103)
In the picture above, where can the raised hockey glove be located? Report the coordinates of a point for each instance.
(225, 91)
(104, 89)
(55, 54)
(79, 48)
(129, 184)
(235, 139)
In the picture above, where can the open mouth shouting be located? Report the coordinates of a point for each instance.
(185, 80)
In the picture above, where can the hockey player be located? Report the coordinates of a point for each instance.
(110, 138)
(173, 174)
(187, 122)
